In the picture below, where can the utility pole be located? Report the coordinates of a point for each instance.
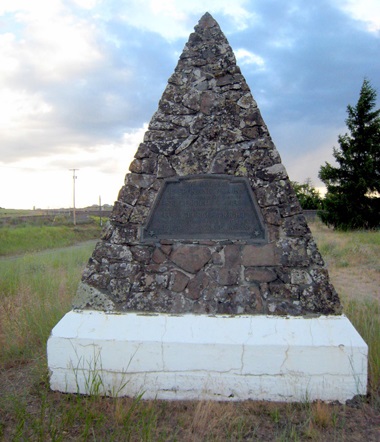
(100, 210)
(74, 214)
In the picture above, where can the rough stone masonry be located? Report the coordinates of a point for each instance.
(207, 125)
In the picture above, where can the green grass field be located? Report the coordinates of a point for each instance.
(36, 291)
(27, 238)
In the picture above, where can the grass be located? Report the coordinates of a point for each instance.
(36, 290)
(365, 316)
(349, 248)
(30, 238)
(353, 259)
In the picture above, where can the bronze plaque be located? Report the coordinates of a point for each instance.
(204, 207)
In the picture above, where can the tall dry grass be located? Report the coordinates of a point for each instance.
(35, 291)
(353, 261)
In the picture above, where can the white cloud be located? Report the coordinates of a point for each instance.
(47, 45)
(367, 11)
(86, 4)
(20, 108)
(110, 159)
(101, 172)
(167, 7)
(245, 57)
(173, 19)
(61, 48)
(135, 137)
(50, 40)
(8, 59)
(36, 8)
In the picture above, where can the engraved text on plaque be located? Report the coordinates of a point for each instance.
(205, 207)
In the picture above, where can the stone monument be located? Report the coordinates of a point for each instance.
(207, 282)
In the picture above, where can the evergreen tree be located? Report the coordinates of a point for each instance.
(353, 188)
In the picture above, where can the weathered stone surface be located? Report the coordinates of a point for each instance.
(294, 252)
(159, 256)
(119, 290)
(296, 226)
(178, 281)
(112, 253)
(231, 300)
(227, 161)
(143, 151)
(254, 274)
(147, 197)
(90, 297)
(320, 299)
(139, 214)
(123, 270)
(283, 307)
(224, 276)
(257, 255)
(191, 258)
(232, 256)
(217, 258)
(164, 168)
(146, 165)
(121, 234)
(272, 216)
(141, 181)
(166, 249)
(129, 194)
(121, 212)
(142, 253)
(300, 276)
(208, 123)
(197, 285)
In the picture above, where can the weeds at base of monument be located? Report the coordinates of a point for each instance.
(92, 372)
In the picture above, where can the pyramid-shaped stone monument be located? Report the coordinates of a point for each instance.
(207, 282)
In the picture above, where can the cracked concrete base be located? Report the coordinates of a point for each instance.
(208, 357)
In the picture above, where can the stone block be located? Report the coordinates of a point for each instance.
(191, 258)
(159, 256)
(197, 284)
(178, 281)
(253, 274)
(259, 255)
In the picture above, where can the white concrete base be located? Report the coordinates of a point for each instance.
(208, 357)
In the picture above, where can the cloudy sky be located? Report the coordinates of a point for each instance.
(80, 80)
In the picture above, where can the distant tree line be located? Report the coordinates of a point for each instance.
(308, 196)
